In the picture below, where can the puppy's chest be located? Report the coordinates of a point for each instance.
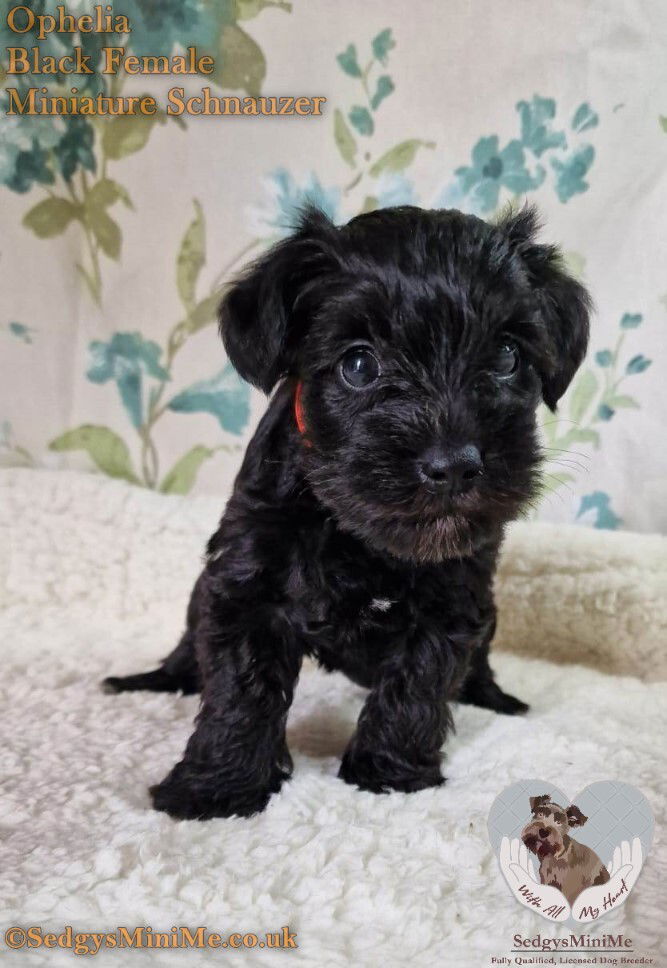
(345, 592)
(336, 600)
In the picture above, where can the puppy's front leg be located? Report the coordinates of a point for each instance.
(403, 724)
(237, 756)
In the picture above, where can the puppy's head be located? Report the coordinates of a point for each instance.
(548, 829)
(423, 342)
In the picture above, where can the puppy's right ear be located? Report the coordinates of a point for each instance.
(536, 802)
(262, 318)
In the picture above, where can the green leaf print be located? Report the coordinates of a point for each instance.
(182, 476)
(106, 231)
(344, 139)
(107, 450)
(241, 63)
(51, 217)
(582, 395)
(107, 192)
(191, 257)
(126, 135)
(400, 156)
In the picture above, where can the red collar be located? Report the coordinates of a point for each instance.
(298, 413)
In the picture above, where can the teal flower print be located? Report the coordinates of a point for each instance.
(385, 87)
(125, 358)
(596, 508)
(361, 119)
(349, 61)
(226, 397)
(92, 46)
(54, 44)
(75, 148)
(637, 364)
(607, 359)
(584, 118)
(25, 148)
(287, 199)
(160, 26)
(28, 167)
(36, 149)
(571, 172)
(21, 331)
(478, 185)
(536, 132)
(382, 44)
(394, 189)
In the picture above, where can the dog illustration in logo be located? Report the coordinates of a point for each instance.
(564, 862)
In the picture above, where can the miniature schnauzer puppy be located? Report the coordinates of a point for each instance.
(411, 350)
(564, 862)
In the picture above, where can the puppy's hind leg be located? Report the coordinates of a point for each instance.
(481, 689)
(179, 672)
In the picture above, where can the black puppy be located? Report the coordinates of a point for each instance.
(412, 349)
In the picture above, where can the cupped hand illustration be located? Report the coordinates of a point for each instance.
(519, 871)
(624, 870)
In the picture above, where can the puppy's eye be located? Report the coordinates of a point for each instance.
(359, 368)
(506, 362)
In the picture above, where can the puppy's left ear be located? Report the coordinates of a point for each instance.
(575, 817)
(564, 303)
(263, 316)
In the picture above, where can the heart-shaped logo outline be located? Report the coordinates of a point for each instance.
(606, 855)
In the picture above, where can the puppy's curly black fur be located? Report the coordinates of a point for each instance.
(365, 525)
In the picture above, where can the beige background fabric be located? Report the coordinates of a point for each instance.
(460, 74)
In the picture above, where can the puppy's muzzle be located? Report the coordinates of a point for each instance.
(452, 471)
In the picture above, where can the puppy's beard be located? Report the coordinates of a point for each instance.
(414, 523)
(423, 538)
(431, 539)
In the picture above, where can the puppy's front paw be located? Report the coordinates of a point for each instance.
(192, 793)
(487, 694)
(380, 773)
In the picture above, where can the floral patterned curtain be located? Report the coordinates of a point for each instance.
(119, 234)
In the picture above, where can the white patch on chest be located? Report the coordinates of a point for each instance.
(381, 604)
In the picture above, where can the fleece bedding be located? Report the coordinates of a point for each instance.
(94, 578)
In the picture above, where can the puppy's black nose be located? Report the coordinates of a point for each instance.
(453, 470)
(543, 832)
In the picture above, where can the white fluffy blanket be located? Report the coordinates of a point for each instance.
(574, 594)
(94, 577)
